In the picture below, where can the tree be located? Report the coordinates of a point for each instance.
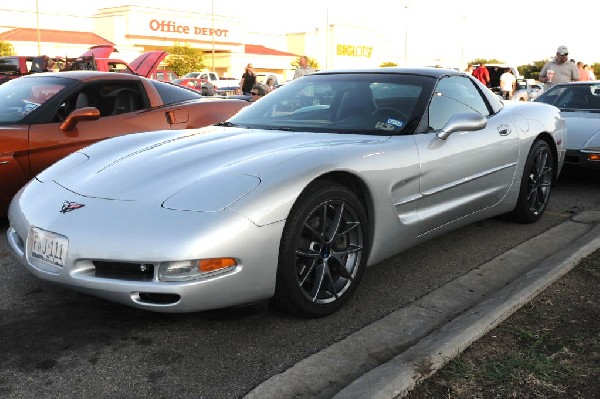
(479, 61)
(532, 70)
(6, 49)
(183, 59)
(311, 63)
(596, 69)
(388, 64)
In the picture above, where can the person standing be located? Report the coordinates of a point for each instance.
(469, 70)
(269, 83)
(303, 68)
(482, 74)
(559, 69)
(590, 72)
(248, 80)
(508, 83)
(258, 91)
(583, 74)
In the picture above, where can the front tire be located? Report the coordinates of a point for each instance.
(322, 253)
(536, 184)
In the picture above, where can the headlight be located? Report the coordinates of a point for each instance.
(592, 154)
(195, 269)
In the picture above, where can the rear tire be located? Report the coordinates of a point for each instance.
(536, 184)
(323, 251)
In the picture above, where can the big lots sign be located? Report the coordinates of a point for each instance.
(351, 50)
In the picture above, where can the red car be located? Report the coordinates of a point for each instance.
(164, 75)
(201, 85)
(46, 116)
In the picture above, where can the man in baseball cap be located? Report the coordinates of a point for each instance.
(559, 69)
(562, 50)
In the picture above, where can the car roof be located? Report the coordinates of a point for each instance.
(85, 75)
(426, 71)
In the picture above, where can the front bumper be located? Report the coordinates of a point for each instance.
(581, 159)
(129, 233)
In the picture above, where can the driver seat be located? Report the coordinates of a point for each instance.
(356, 102)
(82, 100)
(125, 101)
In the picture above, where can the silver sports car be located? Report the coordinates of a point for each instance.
(292, 197)
(579, 103)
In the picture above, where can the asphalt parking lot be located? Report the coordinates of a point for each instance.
(58, 343)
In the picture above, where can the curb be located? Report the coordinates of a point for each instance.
(397, 377)
(388, 357)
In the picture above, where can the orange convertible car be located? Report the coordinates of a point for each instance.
(44, 117)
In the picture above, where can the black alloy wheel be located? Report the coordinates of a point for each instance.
(536, 184)
(323, 251)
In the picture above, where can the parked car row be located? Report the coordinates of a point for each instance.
(289, 199)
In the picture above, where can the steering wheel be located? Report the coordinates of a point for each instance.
(390, 113)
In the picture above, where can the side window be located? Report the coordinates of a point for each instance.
(454, 94)
(109, 98)
(171, 94)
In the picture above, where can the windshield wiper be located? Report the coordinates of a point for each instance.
(225, 124)
(282, 128)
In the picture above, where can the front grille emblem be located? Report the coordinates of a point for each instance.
(69, 206)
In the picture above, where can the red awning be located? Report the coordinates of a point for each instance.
(52, 36)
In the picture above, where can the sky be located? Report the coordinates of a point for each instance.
(459, 30)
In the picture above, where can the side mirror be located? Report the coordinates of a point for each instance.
(465, 122)
(81, 114)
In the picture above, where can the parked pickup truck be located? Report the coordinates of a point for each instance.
(526, 90)
(223, 86)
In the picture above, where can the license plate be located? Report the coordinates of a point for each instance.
(48, 247)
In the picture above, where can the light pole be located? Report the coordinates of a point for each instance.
(462, 42)
(327, 37)
(37, 18)
(212, 13)
(406, 37)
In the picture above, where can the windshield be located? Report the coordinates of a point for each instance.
(573, 97)
(364, 103)
(20, 97)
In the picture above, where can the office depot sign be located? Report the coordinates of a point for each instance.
(164, 26)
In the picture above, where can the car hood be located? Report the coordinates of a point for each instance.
(153, 166)
(147, 63)
(583, 129)
(100, 51)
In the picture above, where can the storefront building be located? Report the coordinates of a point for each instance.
(228, 47)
